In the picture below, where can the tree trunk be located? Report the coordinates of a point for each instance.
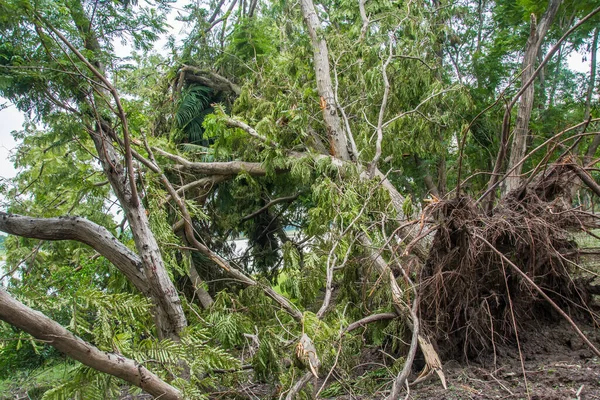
(338, 142)
(340, 150)
(589, 155)
(519, 144)
(169, 315)
(43, 328)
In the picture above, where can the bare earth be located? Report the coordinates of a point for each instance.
(558, 365)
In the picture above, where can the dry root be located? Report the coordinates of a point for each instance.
(468, 291)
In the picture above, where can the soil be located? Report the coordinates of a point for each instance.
(558, 365)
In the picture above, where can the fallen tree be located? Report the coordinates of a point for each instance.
(327, 146)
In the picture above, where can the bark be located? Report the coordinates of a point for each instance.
(252, 8)
(84, 231)
(203, 296)
(432, 359)
(338, 142)
(588, 100)
(200, 188)
(519, 144)
(299, 385)
(427, 179)
(221, 168)
(210, 79)
(410, 357)
(43, 328)
(442, 175)
(367, 320)
(364, 18)
(169, 316)
(407, 234)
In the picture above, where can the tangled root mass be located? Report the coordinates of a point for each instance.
(470, 297)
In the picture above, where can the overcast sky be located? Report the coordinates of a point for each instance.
(11, 119)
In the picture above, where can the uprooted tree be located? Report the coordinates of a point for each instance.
(365, 126)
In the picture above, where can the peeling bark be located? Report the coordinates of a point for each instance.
(338, 142)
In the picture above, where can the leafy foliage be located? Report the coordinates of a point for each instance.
(194, 106)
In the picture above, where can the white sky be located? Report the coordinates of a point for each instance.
(11, 119)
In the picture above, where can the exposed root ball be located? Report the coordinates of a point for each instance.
(469, 295)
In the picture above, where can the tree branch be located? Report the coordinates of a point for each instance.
(221, 19)
(367, 320)
(211, 79)
(364, 18)
(43, 328)
(386, 92)
(337, 137)
(214, 168)
(248, 129)
(298, 386)
(416, 109)
(80, 230)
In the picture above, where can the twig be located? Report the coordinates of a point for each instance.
(369, 319)
(500, 383)
(269, 205)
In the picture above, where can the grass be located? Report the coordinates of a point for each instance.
(585, 241)
(34, 383)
